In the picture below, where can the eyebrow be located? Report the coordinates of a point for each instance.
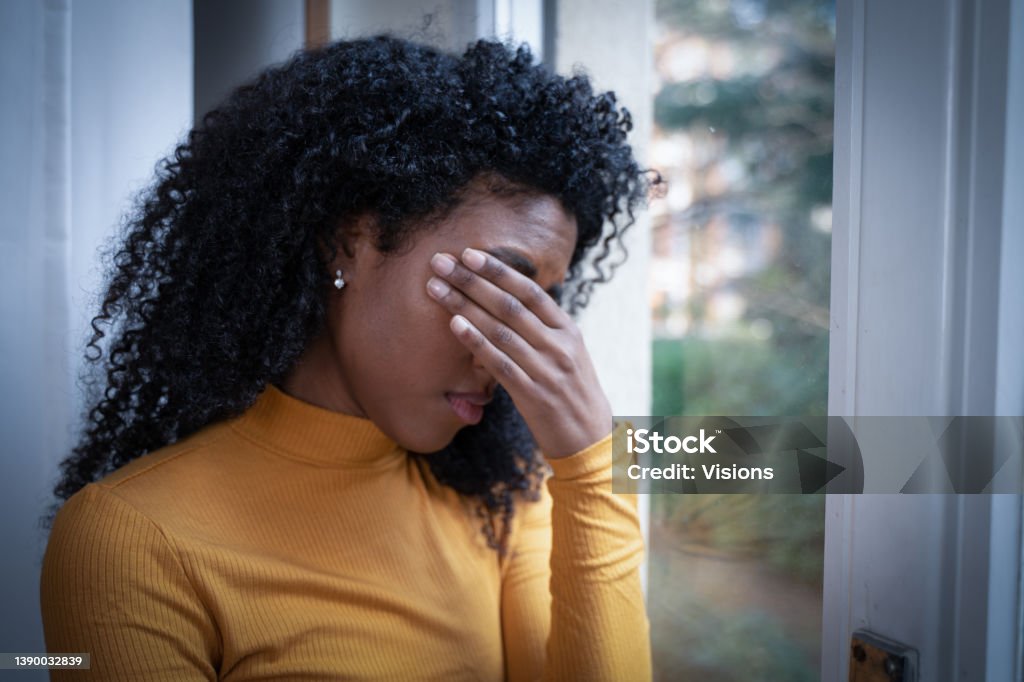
(518, 261)
(514, 259)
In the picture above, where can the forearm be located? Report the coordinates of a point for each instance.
(599, 627)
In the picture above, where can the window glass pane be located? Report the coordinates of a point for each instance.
(740, 292)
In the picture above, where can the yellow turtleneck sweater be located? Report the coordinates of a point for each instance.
(300, 544)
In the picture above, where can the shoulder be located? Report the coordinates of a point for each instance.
(171, 459)
(100, 540)
(96, 521)
(113, 583)
(162, 487)
(132, 522)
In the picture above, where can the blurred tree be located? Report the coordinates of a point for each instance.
(770, 115)
(756, 116)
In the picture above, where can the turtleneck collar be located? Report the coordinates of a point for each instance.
(316, 435)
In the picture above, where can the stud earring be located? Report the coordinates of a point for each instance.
(339, 282)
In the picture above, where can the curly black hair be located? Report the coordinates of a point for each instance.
(220, 280)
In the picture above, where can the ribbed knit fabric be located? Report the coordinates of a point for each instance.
(295, 543)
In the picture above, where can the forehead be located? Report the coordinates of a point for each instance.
(532, 227)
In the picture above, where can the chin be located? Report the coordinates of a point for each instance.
(431, 429)
(427, 440)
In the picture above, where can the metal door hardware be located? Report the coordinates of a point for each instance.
(874, 658)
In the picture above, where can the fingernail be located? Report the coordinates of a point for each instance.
(473, 259)
(437, 288)
(459, 324)
(443, 263)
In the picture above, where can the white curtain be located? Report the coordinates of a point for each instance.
(93, 94)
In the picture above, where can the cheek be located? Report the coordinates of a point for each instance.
(420, 339)
(435, 332)
(402, 343)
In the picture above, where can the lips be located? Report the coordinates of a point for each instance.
(469, 407)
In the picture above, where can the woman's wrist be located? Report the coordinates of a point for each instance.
(584, 462)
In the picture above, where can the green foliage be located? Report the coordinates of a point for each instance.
(751, 642)
(716, 642)
(668, 385)
(740, 376)
(785, 532)
(745, 377)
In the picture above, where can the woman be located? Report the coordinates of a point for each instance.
(331, 351)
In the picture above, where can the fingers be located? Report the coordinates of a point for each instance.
(527, 343)
(500, 289)
(508, 342)
(507, 372)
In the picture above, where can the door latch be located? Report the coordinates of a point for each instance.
(874, 658)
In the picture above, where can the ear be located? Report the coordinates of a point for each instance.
(354, 244)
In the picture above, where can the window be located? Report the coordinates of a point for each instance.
(740, 292)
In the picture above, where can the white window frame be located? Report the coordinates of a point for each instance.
(926, 321)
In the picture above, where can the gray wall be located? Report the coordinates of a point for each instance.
(449, 24)
(617, 324)
(236, 39)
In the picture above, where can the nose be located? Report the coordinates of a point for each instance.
(484, 376)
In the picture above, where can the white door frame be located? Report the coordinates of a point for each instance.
(926, 321)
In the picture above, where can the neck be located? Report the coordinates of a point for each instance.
(316, 379)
